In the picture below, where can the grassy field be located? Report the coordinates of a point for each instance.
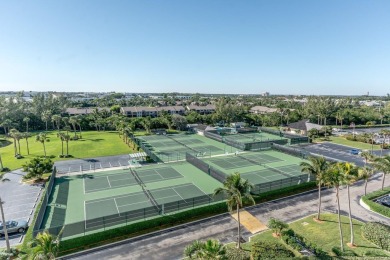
(326, 235)
(93, 144)
(355, 144)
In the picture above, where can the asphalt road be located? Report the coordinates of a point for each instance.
(20, 202)
(169, 244)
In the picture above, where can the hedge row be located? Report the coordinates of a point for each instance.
(268, 250)
(377, 233)
(381, 209)
(151, 225)
(299, 243)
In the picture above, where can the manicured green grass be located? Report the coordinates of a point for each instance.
(93, 144)
(326, 234)
(355, 144)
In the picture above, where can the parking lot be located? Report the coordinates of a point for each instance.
(91, 164)
(20, 201)
(335, 151)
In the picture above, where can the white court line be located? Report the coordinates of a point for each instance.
(162, 178)
(133, 203)
(108, 182)
(117, 197)
(179, 195)
(116, 205)
(85, 216)
(200, 189)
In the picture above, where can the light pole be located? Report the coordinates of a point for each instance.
(4, 226)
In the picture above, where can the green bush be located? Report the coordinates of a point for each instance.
(381, 209)
(237, 254)
(377, 233)
(37, 166)
(337, 251)
(267, 250)
(277, 225)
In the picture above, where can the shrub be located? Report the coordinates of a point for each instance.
(377, 233)
(381, 209)
(299, 243)
(277, 225)
(237, 254)
(5, 256)
(337, 251)
(266, 250)
(37, 166)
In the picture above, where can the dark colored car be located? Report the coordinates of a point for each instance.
(355, 151)
(13, 227)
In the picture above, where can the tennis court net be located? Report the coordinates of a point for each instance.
(137, 178)
(151, 198)
(177, 141)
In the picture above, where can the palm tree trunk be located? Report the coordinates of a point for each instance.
(4, 227)
(44, 149)
(15, 149)
(383, 180)
(239, 227)
(19, 147)
(67, 148)
(1, 163)
(28, 149)
(365, 188)
(319, 201)
(62, 147)
(46, 126)
(27, 127)
(350, 216)
(338, 214)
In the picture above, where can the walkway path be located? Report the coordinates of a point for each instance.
(170, 244)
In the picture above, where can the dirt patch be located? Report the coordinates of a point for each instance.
(318, 220)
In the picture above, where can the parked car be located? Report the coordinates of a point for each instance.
(355, 151)
(14, 227)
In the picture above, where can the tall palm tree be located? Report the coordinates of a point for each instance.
(333, 178)
(66, 123)
(47, 246)
(6, 124)
(14, 134)
(210, 250)
(365, 173)
(146, 124)
(316, 166)
(46, 116)
(66, 139)
(27, 135)
(340, 117)
(62, 138)
(236, 189)
(41, 137)
(57, 120)
(383, 164)
(350, 176)
(78, 122)
(26, 120)
(367, 156)
(73, 122)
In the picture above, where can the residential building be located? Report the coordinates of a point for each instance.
(74, 111)
(151, 111)
(203, 110)
(262, 110)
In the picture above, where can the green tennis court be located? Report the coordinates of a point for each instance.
(273, 174)
(99, 182)
(243, 160)
(253, 137)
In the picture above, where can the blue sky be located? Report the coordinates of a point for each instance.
(218, 46)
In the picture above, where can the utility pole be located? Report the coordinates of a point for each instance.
(4, 226)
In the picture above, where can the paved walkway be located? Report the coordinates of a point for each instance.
(170, 244)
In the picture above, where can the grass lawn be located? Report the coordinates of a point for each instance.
(355, 144)
(326, 234)
(93, 144)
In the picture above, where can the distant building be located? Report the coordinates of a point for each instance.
(302, 127)
(74, 111)
(203, 110)
(262, 110)
(265, 94)
(151, 111)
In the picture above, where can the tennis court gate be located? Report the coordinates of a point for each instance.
(83, 228)
(44, 203)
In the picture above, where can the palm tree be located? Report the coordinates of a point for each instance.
(46, 117)
(211, 249)
(47, 246)
(41, 137)
(26, 135)
(14, 134)
(66, 139)
(62, 138)
(57, 120)
(78, 122)
(365, 173)
(383, 164)
(4, 226)
(73, 121)
(367, 156)
(6, 124)
(316, 166)
(146, 124)
(66, 123)
(340, 117)
(350, 175)
(333, 178)
(26, 120)
(236, 189)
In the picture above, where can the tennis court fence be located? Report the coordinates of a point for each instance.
(100, 224)
(285, 182)
(201, 165)
(44, 202)
(215, 136)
